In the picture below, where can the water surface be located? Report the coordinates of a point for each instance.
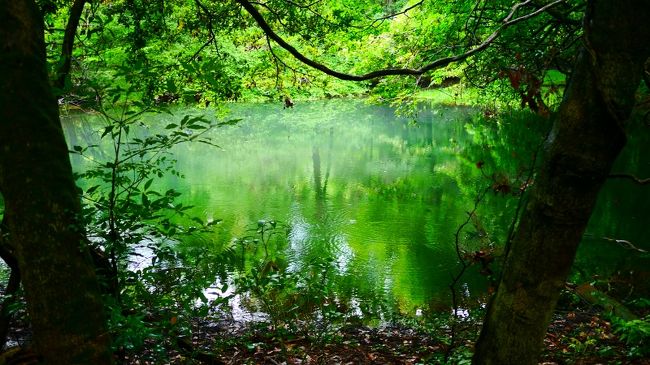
(382, 195)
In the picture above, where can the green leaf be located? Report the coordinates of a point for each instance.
(229, 122)
(184, 120)
(92, 189)
(148, 184)
(171, 86)
(107, 130)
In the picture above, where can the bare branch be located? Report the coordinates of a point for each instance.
(393, 15)
(464, 265)
(559, 15)
(439, 63)
(213, 37)
(278, 60)
(308, 6)
(196, 54)
(625, 244)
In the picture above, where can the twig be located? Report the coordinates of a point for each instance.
(276, 61)
(393, 15)
(630, 177)
(208, 14)
(464, 266)
(625, 244)
(308, 6)
(196, 54)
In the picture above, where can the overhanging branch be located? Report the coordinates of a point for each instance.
(439, 63)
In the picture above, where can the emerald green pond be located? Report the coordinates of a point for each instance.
(381, 194)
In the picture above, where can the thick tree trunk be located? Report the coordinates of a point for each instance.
(587, 137)
(42, 205)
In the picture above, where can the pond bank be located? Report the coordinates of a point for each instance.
(580, 336)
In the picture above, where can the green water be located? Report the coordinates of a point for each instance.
(382, 195)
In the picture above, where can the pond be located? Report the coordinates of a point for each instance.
(382, 196)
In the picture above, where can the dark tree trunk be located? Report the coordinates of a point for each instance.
(587, 136)
(42, 206)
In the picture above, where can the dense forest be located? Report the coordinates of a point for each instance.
(406, 181)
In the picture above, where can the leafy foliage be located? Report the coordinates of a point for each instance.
(135, 228)
(297, 301)
(134, 55)
(636, 334)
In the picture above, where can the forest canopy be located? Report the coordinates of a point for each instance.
(215, 51)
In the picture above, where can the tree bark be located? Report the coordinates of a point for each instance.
(586, 138)
(42, 205)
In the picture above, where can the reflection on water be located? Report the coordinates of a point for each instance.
(379, 194)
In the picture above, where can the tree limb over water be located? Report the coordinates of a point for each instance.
(508, 21)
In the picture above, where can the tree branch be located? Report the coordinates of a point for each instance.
(307, 6)
(213, 37)
(559, 15)
(464, 265)
(439, 63)
(393, 15)
(630, 177)
(63, 70)
(625, 244)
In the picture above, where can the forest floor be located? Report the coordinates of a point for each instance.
(574, 337)
(578, 335)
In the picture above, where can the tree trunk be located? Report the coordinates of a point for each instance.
(586, 139)
(42, 206)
